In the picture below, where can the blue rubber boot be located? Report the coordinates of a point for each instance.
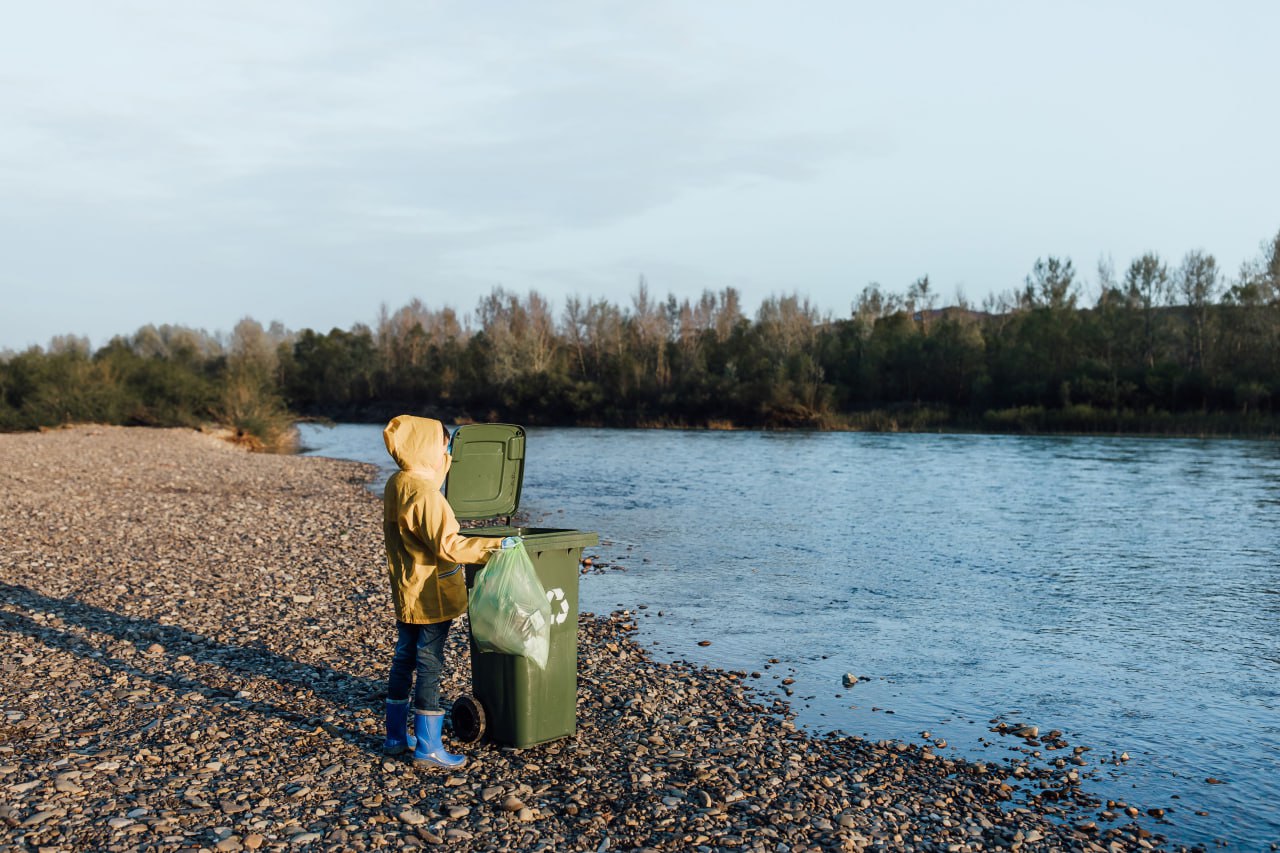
(398, 738)
(430, 752)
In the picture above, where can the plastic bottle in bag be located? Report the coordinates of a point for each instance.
(509, 609)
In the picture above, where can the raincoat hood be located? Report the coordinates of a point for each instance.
(425, 549)
(418, 446)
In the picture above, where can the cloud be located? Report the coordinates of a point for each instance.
(311, 113)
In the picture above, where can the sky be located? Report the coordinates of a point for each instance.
(307, 162)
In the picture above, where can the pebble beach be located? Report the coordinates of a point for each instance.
(193, 647)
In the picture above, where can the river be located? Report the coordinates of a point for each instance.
(1125, 591)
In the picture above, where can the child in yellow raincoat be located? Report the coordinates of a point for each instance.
(425, 558)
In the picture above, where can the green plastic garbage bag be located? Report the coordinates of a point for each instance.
(509, 608)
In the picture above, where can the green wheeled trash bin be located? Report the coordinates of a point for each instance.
(513, 702)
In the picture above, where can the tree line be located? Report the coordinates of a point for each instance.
(1157, 348)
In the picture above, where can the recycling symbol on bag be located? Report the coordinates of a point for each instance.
(554, 595)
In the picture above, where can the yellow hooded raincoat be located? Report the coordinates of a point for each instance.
(425, 551)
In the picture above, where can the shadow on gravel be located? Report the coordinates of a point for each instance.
(133, 653)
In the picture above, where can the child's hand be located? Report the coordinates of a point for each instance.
(510, 542)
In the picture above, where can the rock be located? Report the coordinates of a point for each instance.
(305, 838)
(119, 822)
(513, 804)
(525, 814)
(412, 818)
(41, 816)
(849, 679)
(253, 841)
(230, 844)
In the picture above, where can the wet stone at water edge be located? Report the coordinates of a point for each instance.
(193, 654)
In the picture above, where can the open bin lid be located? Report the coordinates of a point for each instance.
(487, 471)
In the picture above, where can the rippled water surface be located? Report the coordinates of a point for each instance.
(1125, 591)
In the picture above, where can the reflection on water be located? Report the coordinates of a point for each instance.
(1125, 591)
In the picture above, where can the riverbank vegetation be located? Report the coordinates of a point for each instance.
(1159, 348)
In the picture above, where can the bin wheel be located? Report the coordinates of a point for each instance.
(468, 719)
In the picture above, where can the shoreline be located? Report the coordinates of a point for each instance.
(1027, 420)
(1271, 434)
(195, 641)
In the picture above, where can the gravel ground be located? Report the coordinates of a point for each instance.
(193, 641)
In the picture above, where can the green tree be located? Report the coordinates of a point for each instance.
(1146, 288)
(330, 373)
(1197, 283)
(1051, 284)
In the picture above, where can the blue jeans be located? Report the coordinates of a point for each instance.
(419, 647)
